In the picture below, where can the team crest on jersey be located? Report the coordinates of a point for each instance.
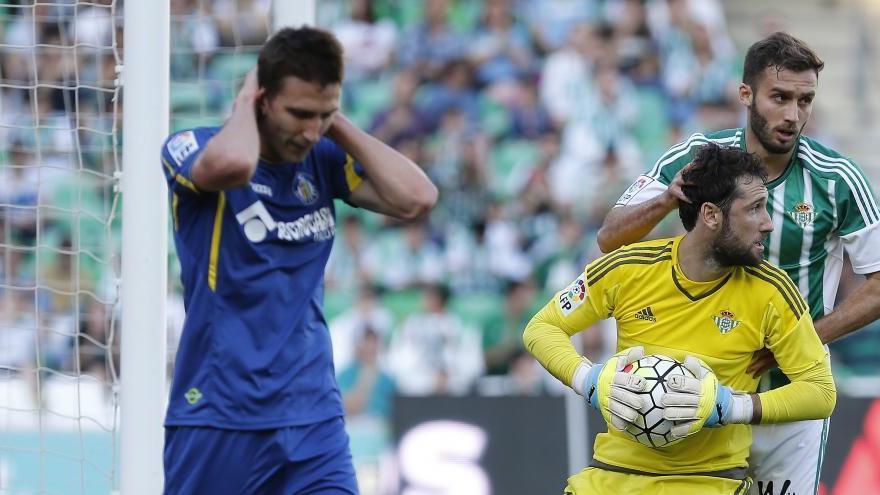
(726, 321)
(803, 214)
(572, 297)
(305, 189)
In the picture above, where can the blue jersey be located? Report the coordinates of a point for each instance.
(255, 350)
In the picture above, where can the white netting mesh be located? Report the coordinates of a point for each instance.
(59, 251)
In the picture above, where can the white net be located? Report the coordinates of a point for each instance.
(59, 252)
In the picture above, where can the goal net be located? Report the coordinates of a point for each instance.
(59, 251)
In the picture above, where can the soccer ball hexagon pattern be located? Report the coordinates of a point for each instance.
(650, 428)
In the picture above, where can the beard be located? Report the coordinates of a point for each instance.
(761, 128)
(729, 250)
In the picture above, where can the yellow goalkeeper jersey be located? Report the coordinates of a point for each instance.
(722, 322)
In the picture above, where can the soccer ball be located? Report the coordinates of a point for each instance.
(650, 428)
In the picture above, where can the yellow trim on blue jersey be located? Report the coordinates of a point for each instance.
(179, 178)
(174, 201)
(351, 177)
(215, 241)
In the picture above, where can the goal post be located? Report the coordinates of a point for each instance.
(145, 75)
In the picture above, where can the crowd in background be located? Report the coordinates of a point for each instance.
(531, 116)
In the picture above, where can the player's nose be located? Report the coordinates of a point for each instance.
(766, 223)
(792, 112)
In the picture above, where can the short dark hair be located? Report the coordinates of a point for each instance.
(310, 54)
(781, 51)
(713, 177)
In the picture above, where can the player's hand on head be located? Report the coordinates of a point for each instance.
(674, 191)
(250, 82)
(615, 393)
(763, 361)
(250, 90)
(696, 402)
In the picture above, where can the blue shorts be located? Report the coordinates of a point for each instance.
(311, 459)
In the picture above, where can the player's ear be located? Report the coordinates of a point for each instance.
(711, 215)
(745, 94)
(261, 102)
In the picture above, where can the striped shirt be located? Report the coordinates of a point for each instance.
(821, 205)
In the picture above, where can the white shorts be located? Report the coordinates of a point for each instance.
(786, 458)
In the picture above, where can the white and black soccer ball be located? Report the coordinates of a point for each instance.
(650, 428)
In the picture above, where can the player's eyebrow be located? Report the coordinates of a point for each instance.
(303, 113)
(789, 93)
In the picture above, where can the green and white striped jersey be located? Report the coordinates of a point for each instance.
(821, 205)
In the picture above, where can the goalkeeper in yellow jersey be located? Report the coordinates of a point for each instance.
(706, 299)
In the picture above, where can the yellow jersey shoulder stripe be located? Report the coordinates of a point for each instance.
(786, 282)
(351, 177)
(635, 250)
(795, 308)
(174, 202)
(179, 178)
(635, 259)
(215, 241)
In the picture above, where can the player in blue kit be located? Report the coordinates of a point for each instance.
(254, 406)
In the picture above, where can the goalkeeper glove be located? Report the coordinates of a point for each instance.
(697, 403)
(611, 391)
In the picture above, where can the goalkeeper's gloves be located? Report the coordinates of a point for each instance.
(611, 391)
(702, 402)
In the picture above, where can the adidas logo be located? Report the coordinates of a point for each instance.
(646, 314)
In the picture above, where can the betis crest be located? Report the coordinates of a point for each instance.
(726, 321)
(803, 214)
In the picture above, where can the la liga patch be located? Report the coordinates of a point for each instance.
(572, 297)
(640, 183)
(183, 145)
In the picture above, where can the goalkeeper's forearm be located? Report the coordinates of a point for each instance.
(810, 395)
(552, 347)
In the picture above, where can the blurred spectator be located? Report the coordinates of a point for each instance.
(369, 43)
(405, 258)
(348, 265)
(567, 74)
(94, 347)
(366, 388)
(432, 44)
(242, 22)
(445, 149)
(696, 68)
(453, 91)
(482, 258)
(194, 38)
(561, 257)
(616, 108)
(18, 331)
(19, 191)
(502, 48)
(552, 21)
(466, 188)
(93, 23)
(629, 19)
(529, 119)
(347, 328)
(434, 352)
(526, 376)
(404, 119)
(502, 337)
